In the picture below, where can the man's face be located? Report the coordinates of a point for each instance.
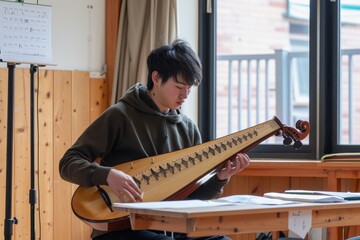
(172, 94)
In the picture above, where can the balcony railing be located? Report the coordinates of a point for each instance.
(252, 88)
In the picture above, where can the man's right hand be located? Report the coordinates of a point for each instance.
(124, 186)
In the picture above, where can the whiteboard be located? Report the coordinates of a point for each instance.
(25, 33)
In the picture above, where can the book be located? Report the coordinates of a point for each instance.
(313, 198)
(346, 157)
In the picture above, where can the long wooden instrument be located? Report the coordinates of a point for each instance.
(174, 175)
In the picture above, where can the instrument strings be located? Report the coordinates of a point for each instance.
(192, 159)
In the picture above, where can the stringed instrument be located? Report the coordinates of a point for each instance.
(174, 175)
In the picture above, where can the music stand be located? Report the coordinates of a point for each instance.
(9, 221)
(21, 46)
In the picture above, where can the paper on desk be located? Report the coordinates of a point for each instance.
(304, 197)
(344, 195)
(172, 204)
(300, 222)
(253, 200)
(229, 200)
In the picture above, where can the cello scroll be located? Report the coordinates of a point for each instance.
(291, 134)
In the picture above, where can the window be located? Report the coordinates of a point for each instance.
(281, 58)
(349, 109)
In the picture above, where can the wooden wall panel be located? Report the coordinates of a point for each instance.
(21, 153)
(3, 130)
(112, 15)
(62, 141)
(98, 97)
(80, 120)
(68, 101)
(46, 160)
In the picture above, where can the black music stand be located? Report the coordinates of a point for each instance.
(9, 221)
(32, 191)
(15, 52)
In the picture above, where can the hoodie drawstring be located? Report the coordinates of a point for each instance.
(165, 130)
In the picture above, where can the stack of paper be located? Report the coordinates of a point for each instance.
(229, 200)
(315, 198)
(344, 195)
(171, 204)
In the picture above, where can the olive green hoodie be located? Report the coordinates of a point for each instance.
(131, 129)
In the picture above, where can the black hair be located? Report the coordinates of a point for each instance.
(172, 60)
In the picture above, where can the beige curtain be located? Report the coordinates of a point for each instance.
(143, 26)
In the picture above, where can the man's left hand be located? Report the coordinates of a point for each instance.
(233, 166)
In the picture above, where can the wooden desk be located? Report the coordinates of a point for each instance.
(242, 218)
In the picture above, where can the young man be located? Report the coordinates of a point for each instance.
(146, 122)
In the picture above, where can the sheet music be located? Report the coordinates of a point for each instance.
(25, 33)
(229, 200)
(172, 204)
(251, 199)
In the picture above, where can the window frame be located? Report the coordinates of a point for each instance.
(330, 78)
(324, 75)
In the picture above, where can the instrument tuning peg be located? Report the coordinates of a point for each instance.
(297, 145)
(287, 141)
(301, 125)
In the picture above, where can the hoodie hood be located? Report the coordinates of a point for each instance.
(138, 98)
